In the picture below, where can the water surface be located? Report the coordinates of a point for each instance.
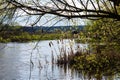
(21, 61)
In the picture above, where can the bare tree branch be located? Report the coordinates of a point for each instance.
(86, 9)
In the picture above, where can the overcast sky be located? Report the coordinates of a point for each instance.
(47, 19)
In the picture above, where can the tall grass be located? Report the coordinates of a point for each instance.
(105, 63)
(65, 51)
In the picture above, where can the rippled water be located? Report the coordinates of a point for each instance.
(15, 61)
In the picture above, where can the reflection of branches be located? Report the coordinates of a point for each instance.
(31, 62)
(3, 47)
(67, 9)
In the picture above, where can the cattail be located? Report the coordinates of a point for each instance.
(50, 44)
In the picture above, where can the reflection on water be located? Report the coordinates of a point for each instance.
(15, 62)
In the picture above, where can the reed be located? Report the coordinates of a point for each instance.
(105, 63)
(65, 51)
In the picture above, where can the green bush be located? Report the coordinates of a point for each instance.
(93, 64)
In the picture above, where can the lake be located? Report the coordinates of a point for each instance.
(32, 61)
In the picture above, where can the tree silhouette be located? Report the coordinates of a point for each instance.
(85, 9)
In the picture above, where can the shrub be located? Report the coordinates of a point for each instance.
(97, 64)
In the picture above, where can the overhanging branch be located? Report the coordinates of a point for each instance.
(70, 10)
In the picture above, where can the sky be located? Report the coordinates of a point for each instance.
(46, 20)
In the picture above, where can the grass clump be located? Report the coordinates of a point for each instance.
(106, 63)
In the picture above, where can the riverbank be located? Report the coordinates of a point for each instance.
(16, 36)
